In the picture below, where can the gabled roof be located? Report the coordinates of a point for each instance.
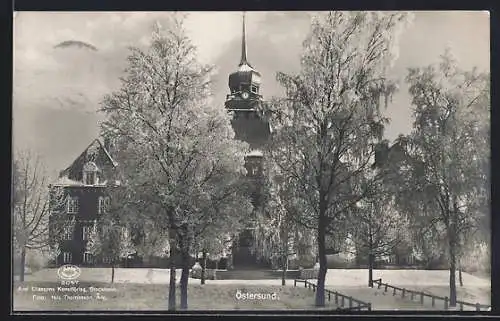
(65, 171)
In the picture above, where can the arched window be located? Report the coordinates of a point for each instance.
(90, 173)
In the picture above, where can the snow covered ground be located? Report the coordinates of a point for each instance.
(351, 282)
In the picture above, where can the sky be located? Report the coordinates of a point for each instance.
(57, 91)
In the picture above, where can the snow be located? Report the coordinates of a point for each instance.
(352, 282)
(65, 181)
(255, 153)
(245, 67)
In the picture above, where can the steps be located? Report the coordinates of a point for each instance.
(254, 274)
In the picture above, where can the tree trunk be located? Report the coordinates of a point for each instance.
(284, 267)
(452, 237)
(171, 287)
(203, 266)
(370, 269)
(460, 275)
(453, 286)
(22, 264)
(320, 290)
(184, 280)
(112, 273)
(284, 263)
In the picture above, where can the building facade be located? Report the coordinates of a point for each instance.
(84, 184)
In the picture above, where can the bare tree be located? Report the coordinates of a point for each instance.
(37, 225)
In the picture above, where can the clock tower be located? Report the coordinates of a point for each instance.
(249, 125)
(244, 101)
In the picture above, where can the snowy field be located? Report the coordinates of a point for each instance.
(351, 282)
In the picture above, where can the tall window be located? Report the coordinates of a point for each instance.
(72, 205)
(103, 204)
(87, 257)
(90, 173)
(86, 232)
(67, 257)
(68, 233)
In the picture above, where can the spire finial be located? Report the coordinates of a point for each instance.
(243, 45)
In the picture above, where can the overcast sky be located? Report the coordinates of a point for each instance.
(57, 91)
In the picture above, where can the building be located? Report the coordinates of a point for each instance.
(85, 184)
(243, 102)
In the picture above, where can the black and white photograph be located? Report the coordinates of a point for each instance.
(251, 161)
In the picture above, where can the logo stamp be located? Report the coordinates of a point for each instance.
(69, 272)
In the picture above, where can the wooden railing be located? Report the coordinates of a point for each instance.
(346, 302)
(421, 295)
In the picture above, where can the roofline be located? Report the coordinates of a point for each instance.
(103, 147)
(107, 152)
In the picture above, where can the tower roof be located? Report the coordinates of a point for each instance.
(246, 74)
(244, 60)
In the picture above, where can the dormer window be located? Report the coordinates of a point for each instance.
(90, 173)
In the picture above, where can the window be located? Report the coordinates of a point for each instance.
(72, 205)
(67, 257)
(254, 89)
(102, 207)
(103, 204)
(68, 233)
(90, 173)
(105, 230)
(86, 232)
(87, 257)
(253, 171)
(90, 178)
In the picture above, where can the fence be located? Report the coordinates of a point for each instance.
(422, 295)
(343, 298)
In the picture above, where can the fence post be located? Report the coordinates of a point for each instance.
(369, 306)
(350, 302)
(343, 301)
(329, 295)
(478, 307)
(433, 301)
(336, 298)
(394, 292)
(386, 287)
(294, 283)
(305, 284)
(379, 283)
(446, 303)
(421, 297)
(461, 306)
(403, 293)
(314, 287)
(411, 295)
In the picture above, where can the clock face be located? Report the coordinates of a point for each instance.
(244, 95)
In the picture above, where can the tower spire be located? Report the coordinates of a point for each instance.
(243, 45)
